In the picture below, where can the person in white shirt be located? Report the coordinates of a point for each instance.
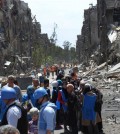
(14, 114)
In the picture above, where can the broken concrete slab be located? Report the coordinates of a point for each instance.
(117, 66)
(95, 69)
(112, 35)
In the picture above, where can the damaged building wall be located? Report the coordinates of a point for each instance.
(106, 19)
(97, 24)
(87, 42)
(3, 43)
(15, 27)
(102, 31)
(79, 48)
(94, 28)
(19, 33)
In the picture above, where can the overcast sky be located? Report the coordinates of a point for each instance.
(67, 14)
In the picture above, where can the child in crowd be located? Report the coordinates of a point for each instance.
(33, 124)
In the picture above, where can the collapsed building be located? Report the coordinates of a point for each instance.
(99, 39)
(19, 31)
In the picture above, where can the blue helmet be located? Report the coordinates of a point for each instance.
(39, 93)
(60, 83)
(8, 93)
(24, 97)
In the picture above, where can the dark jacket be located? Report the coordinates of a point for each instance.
(54, 95)
(72, 116)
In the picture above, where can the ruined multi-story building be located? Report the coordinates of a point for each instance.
(16, 22)
(108, 14)
(19, 33)
(97, 23)
(88, 40)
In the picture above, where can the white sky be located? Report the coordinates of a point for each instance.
(67, 14)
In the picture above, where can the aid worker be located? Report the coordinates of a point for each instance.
(14, 114)
(47, 115)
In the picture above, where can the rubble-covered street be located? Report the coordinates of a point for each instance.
(108, 82)
(28, 53)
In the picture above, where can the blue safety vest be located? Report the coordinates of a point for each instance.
(88, 112)
(42, 123)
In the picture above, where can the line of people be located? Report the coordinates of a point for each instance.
(81, 105)
(73, 103)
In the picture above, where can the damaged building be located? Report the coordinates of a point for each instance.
(99, 39)
(19, 31)
(88, 40)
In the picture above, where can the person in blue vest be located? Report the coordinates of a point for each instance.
(14, 114)
(30, 91)
(2, 104)
(2, 108)
(47, 115)
(88, 111)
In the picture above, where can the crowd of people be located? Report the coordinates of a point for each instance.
(72, 102)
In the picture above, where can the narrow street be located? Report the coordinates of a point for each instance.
(48, 36)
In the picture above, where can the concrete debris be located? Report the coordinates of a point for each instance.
(118, 99)
(108, 82)
(95, 69)
(112, 35)
(7, 63)
(118, 120)
(115, 67)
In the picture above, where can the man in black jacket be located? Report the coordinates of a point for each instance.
(72, 108)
